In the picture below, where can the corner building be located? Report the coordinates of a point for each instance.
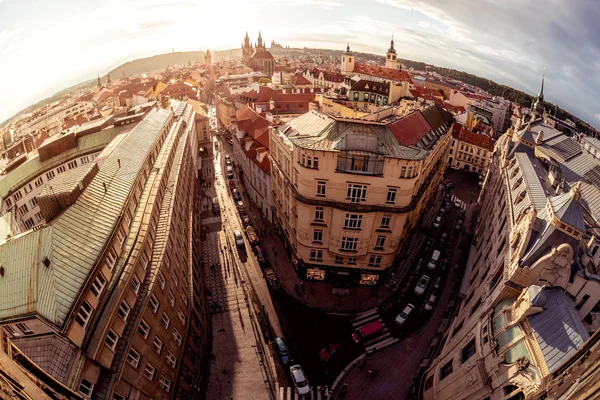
(347, 192)
(531, 288)
(103, 300)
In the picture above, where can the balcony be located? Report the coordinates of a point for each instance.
(361, 163)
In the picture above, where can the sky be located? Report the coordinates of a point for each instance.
(48, 45)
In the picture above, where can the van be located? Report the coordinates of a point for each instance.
(215, 205)
(430, 302)
(434, 259)
(403, 316)
(229, 171)
(367, 330)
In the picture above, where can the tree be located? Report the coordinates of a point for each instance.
(264, 81)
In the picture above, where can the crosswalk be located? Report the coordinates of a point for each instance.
(382, 339)
(463, 205)
(316, 393)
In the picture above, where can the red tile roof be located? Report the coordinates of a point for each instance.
(254, 125)
(410, 129)
(384, 73)
(461, 133)
(298, 80)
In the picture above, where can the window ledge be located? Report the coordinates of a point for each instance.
(352, 229)
(378, 248)
(349, 251)
(318, 223)
(382, 229)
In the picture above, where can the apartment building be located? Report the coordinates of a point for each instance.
(104, 300)
(347, 192)
(470, 151)
(530, 291)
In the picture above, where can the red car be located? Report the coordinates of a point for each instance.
(407, 286)
(328, 351)
(231, 184)
(367, 330)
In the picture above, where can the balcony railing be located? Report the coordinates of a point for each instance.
(360, 163)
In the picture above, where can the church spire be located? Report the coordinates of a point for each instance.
(99, 83)
(541, 93)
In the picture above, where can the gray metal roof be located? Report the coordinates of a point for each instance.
(75, 240)
(568, 210)
(558, 329)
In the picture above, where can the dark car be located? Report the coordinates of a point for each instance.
(328, 351)
(407, 286)
(284, 353)
(260, 254)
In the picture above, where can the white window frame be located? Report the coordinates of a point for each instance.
(165, 320)
(135, 284)
(356, 193)
(111, 340)
(124, 310)
(171, 297)
(153, 300)
(162, 281)
(349, 244)
(144, 329)
(121, 236)
(171, 359)
(316, 255)
(84, 314)
(321, 188)
(157, 344)
(353, 221)
(391, 195)
(380, 242)
(385, 217)
(133, 358)
(177, 336)
(87, 386)
(149, 371)
(319, 211)
(164, 383)
(375, 261)
(111, 258)
(98, 285)
(318, 235)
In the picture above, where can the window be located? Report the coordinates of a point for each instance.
(380, 242)
(356, 193)
(353, 221)
(316, 163)
(391, 195)
(86, 388)
(316, 255)
(33, 202)
(352, 260)
(319, 214)
(111, 339)
(8, 203)
(349, 244)
(185, 298)
(171, 298)
(50, 175)
(375, 261)
(117, 396)
(161, 280)
(386, 220)
(177, 336)
(154, 303)
(61, 169)
(457, 329)
(29, 223)
(446, 370)
(121, 236)
(429, 383)
(83, 316)
(144, 329)
(321, 185)
(18, 196)
(318, 235)
(27, 188)
(135, 284)
(145, 260)
(164, 384)
(98, 285)
(124, 310)
(468, 351)
(475, 306)
(157, 344)
(583, 300)
(72, 164)
(133, 358)
(39, 181)
(23, 209)
(165, 320)
(171, 359)
(175, 279)
(111, 258)
(24, 328)
(149, 371)
(181, 315)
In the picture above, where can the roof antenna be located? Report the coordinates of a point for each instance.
(104, 183)
(119, 162)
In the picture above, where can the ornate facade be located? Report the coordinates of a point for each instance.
(258, 57)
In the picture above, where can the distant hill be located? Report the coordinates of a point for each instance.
(155, 63)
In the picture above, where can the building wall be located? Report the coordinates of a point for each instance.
(470, 157)
(298, 206)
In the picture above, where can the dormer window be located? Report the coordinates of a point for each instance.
(517, 183)
(514, 172)
(520, 197)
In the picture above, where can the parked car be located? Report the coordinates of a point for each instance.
(246, 220)
(388, 304)
(444, 238)
(299, 379)
(437, 282)
(261, 256)
(328, 351)
(434, 259)
(403, 316)
(239, 239)
(437, 222)
(272, 279)
(252, 236)
(457, 203)
(227, 158)
(229, 171)
(231, 184)
(448, 183)
(447, 197)
(367, 330)
(430, 302)
(215, 205)
(236, 194)
(480, 184)
(241, 207)
(422, 285)
(284, 353)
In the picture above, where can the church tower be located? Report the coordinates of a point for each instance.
(108, 83)
(260, 46)
(347, 62)
(247, 50)
(390, 56)
(538, 104)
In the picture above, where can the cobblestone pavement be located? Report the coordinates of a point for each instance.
(237, 365)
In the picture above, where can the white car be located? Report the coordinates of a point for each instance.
(239, 239)
(457, 203)
(299, 379)
(436, 223)
(430, 302)
(422, 285)
(401, 318)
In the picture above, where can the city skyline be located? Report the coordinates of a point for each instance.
(510, 43)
